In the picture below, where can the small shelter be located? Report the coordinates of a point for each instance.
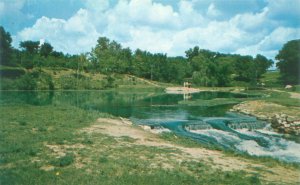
(187, 84)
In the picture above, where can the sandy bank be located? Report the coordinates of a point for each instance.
(181, 90)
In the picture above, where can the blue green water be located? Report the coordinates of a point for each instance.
(211, 125)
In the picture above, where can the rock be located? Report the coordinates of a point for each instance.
(146, 127)
(263, 117)
(288, 86)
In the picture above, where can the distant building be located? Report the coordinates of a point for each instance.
(187, 84)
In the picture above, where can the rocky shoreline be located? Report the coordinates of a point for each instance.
(280, 122)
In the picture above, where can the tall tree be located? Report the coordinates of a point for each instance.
(205, 71)
(5, 47)
(31, 47)
(46, 49)
(261, 64)
(244, 69)
(289, 62)
(191, 53)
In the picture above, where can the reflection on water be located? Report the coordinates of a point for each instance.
(211, 125)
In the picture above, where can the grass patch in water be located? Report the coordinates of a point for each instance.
(210, 103)
(282, 98)
(185, 141)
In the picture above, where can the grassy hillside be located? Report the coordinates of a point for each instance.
(12, 78)
(271, 79)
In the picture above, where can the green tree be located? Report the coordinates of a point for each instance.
(261, 64)
(46, 49)
(191, 53)
(108, 56)
(224, 70)
(5, 47)
(30, 47)
(205, 71)
(244, 69)
(289, 62)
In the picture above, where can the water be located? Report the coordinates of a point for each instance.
(211, 125)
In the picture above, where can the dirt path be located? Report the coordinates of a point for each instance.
(292, 94)
(147, 81)
(123, 127)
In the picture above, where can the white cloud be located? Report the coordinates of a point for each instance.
(158, 27)
(97, 5)
(73, 36)
(271, 43)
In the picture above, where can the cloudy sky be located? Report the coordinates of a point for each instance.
(166, 26)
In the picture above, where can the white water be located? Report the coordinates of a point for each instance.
(278, 147)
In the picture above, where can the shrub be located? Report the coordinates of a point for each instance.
(11, 72)
(68, 82)
(27, 82)
(64, 161)
(8, 84)
(35, 80)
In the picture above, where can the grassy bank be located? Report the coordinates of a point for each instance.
(12, 78)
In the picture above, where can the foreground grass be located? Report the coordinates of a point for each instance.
(42, 145)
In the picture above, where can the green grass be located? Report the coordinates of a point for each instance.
(282, 98)
(27, 129)
(64, 160)
(271, 79)
(210, 103)
(185, 141)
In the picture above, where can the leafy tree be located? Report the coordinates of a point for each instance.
(261, 64)
(289, 62)
(191, 53)
(205, 71)
(244, 69)
(31, 47)
(224, 70)
(106, 55)
(5, 47)
(57, 54)
(46, 49)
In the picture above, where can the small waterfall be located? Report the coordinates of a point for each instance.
(198, 127)
(247, 125)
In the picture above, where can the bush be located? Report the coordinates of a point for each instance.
(28, 64)
(11, 72)
(36, 80)
(64, 161)
(68, 82)
(27, 82)
(110, 82)
(8, 84)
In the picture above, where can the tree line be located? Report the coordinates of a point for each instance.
(199, 66)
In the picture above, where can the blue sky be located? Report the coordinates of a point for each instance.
(166, 26)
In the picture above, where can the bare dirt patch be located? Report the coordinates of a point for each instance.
(61, 150)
